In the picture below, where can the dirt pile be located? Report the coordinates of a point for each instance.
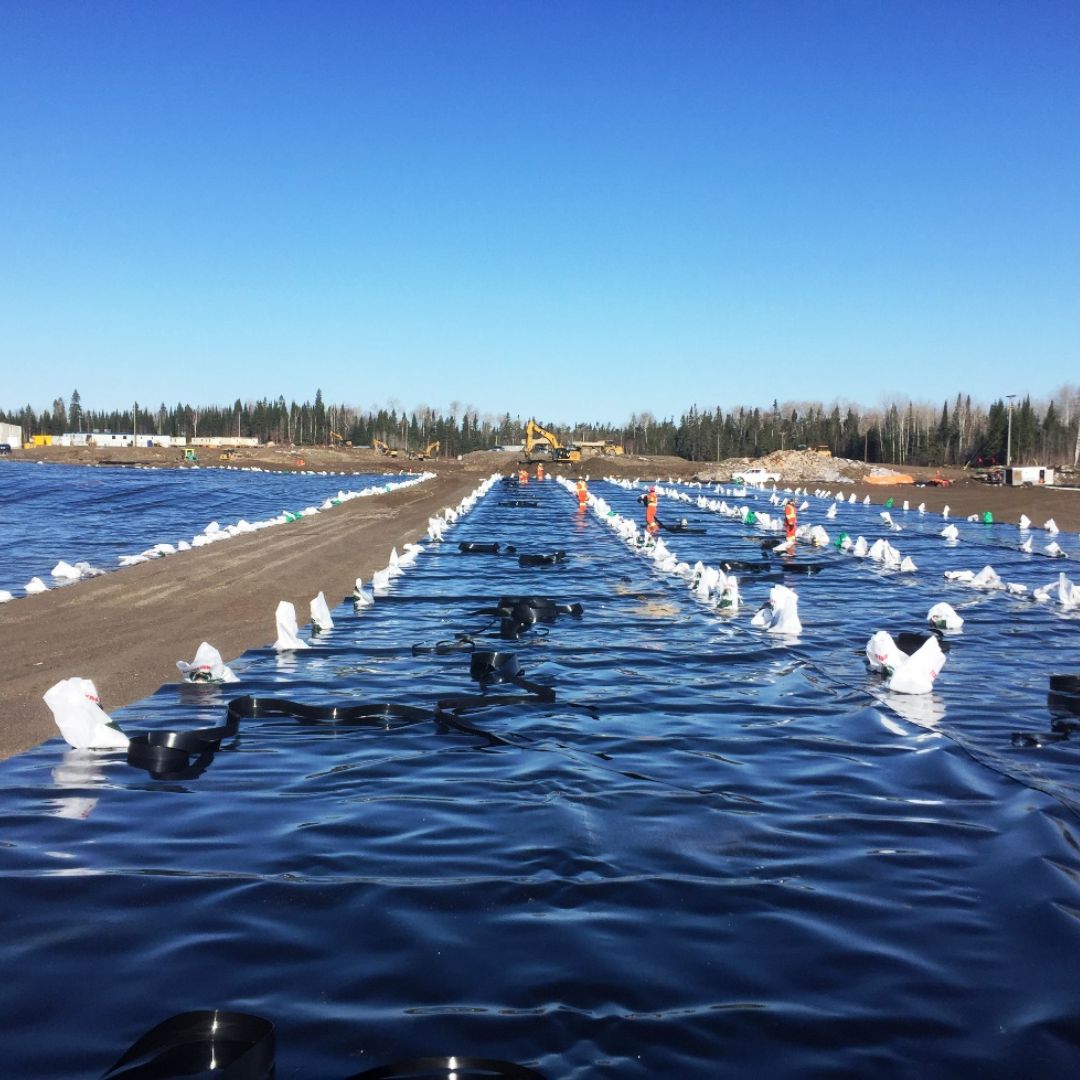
(794, 466)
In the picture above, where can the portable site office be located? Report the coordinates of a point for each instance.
(1028, 475)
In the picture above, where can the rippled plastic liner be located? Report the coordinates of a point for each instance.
(742, 857)
(96, 515)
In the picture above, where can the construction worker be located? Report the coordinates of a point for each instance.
(539, 470)
(650, 509)
(582, 494)
(523, 476)
(790, 519)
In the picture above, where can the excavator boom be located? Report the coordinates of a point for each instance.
(535, 435)
(430, 450)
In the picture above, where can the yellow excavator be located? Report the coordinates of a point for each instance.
(430, 450)
(535, 436)
(383, 448)
(605, 447)
(338, 440)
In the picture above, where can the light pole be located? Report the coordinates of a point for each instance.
(1008, 437)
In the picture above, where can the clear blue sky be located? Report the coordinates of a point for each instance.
(574, 209)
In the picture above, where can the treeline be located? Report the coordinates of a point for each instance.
(904, 433)
(958, 432)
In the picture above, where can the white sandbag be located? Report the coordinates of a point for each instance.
(409, 555)
(77, 710)
(917, 673)
(64, 571)
(1054, 550)
(729, 598)
(34, 586)
(6, 597)
(288, 633)
(831, 512)
(320, 614)
(950, 532)
(1068, 593)
(987, 578)
(360, 597)
(882, 653)
(1026, 546)
(945, 512)
(964, 576)
(943, 617)
(206, 667)
(819, 537)
(1025, 522)
(1051, 527)
(907, 565)
(860, 549)
(781, 614)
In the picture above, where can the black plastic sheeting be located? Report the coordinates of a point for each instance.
(714, 852)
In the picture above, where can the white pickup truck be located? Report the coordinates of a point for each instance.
(755, 476)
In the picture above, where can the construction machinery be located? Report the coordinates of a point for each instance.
(430, 450)
(338, 440)
(383, 448)
(605, 447)
(536, 436)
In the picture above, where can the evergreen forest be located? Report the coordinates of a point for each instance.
(956, 432)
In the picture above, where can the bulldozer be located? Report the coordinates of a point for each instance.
(383, 448)
(430, 450)
(536, 436)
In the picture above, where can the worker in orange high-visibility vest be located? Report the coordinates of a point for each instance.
(582, 494)
(540, 470)
(523, 476)
(650, 509)
(790, 519)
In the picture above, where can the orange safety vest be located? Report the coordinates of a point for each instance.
(539, 472)
(789, 518)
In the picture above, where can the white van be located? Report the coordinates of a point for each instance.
(755, 476)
